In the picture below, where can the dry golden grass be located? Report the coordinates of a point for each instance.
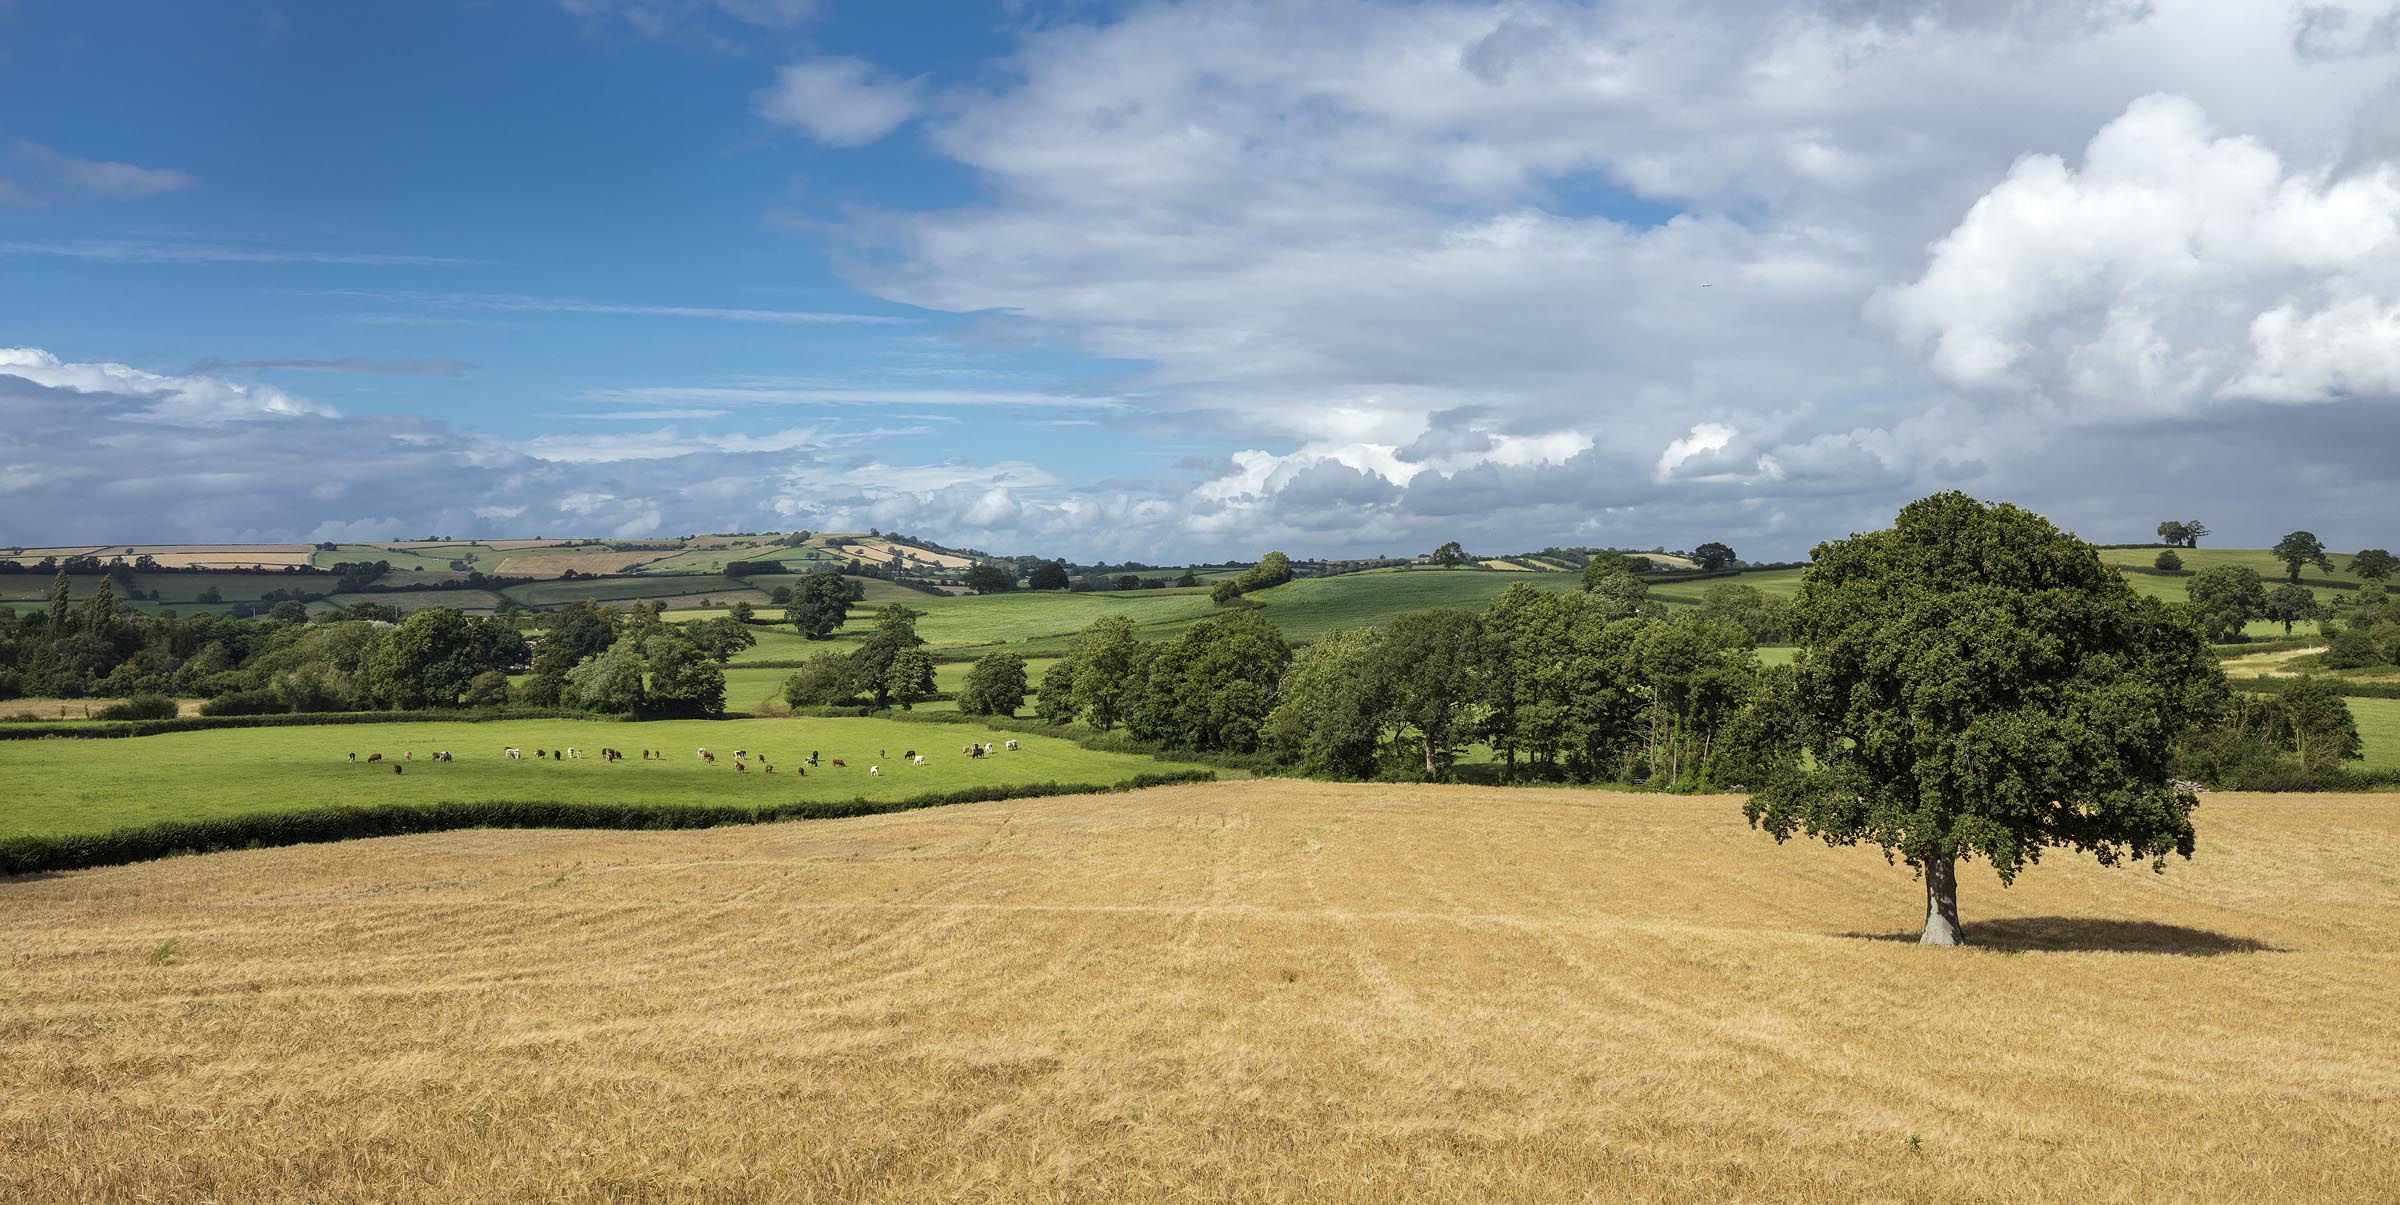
(1252, 991)
(76, 709)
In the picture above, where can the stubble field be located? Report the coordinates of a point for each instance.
(1253, 991)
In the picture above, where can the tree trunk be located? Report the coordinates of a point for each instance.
(1941, 904)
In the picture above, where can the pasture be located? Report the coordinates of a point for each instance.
(69, 786)
(2378, 732)
(1264, 991)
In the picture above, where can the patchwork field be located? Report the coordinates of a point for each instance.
(1267, 991)
(69, 786)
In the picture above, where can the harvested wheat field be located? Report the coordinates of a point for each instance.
(1236, 992)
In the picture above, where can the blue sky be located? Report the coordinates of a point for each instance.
(1165, 281)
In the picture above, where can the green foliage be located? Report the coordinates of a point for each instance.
(880, 672)
(2288, 604)
(1049, 575)
(1105, 658)
(2301, 548)
(987, 578)
(611, 683)
(245, 702)
(1450, 555)
(996, 686)
(2226, 598)
(685, 682)
(1430, 664)
(1211, 688)
(820, 605)
(1328, 715)
(1618, 592)
(2167, 561)
(1713, 556)
(2173, 532)
(720, 638)
(823, 681)
(141, 707)
(1055, 703)
(1561, 692)
(1975, 683)
(1273, 569)
(1756, 612)
(2374, 564)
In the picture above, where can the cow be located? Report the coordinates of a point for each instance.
(443, 755)
(839, 762)
(1011, 744)
(555, 755)
(396, 767)
(410, 755)
(541, 755)
(513, 753)
(354, 759)
(739, 754)
(911, 755)
(919, 759)
(374, 757)
(875, 771)
(742, 766)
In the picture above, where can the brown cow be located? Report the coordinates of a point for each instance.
(374, 757)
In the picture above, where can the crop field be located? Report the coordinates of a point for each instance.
(1260, 991)
(549, 563)
(68, 786)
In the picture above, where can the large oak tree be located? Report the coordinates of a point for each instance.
(1975, 683)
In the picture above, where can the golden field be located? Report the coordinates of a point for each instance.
(1234, 992)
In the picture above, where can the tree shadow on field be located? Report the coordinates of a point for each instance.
(2084, 935)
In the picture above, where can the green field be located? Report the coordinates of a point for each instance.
(2379, 730)
(67, 786)
(2258, 559)
(633, 589)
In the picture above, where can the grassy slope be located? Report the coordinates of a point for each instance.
(90, 785)
(1263, 992)
(2379, 731)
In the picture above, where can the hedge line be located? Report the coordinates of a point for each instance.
(101, 729)
(2349, 687)
(259, 830)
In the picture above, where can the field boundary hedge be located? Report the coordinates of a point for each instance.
(308, 826)
(106, 729)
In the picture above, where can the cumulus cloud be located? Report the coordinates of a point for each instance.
(839, 101)
(2127, 282)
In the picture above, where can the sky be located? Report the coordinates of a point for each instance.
(1186, 281)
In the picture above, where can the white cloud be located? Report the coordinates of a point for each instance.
(45, 176)
(839, 101)
(2125, 283)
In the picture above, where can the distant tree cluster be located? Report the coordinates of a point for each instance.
(1273, 569)
(2182, 533)
(890, 668)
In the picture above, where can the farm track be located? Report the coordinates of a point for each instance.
(1265, 991)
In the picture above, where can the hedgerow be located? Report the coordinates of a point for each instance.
(259, 830)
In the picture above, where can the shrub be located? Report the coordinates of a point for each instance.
(140, 707)
(2168, 562)
(246, 702)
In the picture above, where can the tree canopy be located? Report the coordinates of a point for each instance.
(2374, 564)
(2301, 548)
(820, 605)
(2226, 598)
(1713, 556)
(1975, 683)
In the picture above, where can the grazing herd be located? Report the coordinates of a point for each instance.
(742, 759)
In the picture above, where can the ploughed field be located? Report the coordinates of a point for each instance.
(1268, 990)
(50, 787)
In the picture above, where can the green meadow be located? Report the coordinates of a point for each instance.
(67, 786)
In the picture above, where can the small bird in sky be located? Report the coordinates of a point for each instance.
(1705, 285)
